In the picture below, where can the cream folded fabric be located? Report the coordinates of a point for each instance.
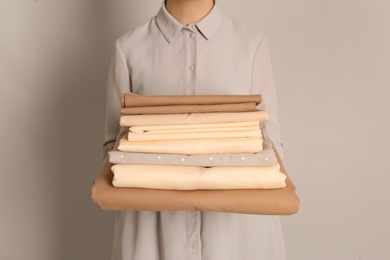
(193, 135)
(266, 157)
(180, 109)
(173, 177)
(133, 100)
(192, 118)
(197, 146)
(161, 129)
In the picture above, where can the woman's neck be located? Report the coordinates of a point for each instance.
(189, 11)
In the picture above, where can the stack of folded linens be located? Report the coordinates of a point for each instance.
(194, 153)
(189, 150)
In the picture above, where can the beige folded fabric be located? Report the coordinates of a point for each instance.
(160, 129)
(192, 118)
(196, 146)
(134, 100)
(133, 137)
(258, 201)
(181, 109)
(178, 177)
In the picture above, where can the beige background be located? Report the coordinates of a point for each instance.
(331, 62)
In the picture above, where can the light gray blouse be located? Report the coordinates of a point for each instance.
(216, 55)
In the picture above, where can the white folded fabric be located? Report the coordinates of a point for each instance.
(197, 146)
(171, 177)
(192, 118)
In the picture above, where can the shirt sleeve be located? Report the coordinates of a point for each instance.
(264, 84)
(118, 82)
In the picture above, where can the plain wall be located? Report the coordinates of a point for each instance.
(331, 61)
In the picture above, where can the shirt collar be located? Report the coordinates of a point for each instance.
(171, 28)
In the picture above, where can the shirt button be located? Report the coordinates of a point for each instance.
(191, 67)
(192, 35)
(192, 212)
(193, 245)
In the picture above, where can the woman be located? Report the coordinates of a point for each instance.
(190, 47)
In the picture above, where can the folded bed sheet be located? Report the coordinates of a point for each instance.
(266, 157)
(133, 100)
(174, 177)
(195, 146)
(192, 118)
(180, 109)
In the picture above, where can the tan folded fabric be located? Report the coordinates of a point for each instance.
(180, 177)
(195, 146)
(218, 127)
(181, 109)
(134, 100)
(260, 201)
(193, 118)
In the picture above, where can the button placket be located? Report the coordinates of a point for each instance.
(193, 219)
(190, 60)
(193, 235)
